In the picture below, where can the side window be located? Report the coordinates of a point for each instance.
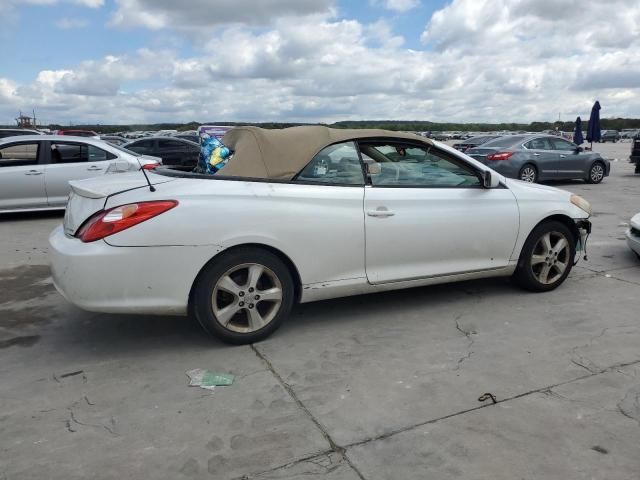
(337, 164)
(68, 152)
(539, 144)
(19, 154)
(171, 145)
(97, 154)
(145, 147)
(402, 165)
(561, 144)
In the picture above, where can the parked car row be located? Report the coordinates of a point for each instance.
(35, 170)
(532, 158)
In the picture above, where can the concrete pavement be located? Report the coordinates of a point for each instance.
(373, 387)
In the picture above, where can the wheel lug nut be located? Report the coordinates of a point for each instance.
(241, 304)
(257, 297)
(251, 305)
(241, 294)
(250, 289)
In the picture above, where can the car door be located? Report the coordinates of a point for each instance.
(325, 201)
(569, 162)
(540, 152)
(22, 176)
(427, 215)
(72, 161)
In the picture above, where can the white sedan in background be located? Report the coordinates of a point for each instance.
(305, 214)
(35, 170)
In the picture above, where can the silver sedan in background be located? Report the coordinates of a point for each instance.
(35, 170)
(533, 158)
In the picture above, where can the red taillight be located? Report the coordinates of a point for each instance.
(150, 166)
(116, 219)
(500, 156)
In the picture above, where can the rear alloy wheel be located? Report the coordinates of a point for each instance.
(547, 257)
(596, 173)
(244, 296)
(528, 173)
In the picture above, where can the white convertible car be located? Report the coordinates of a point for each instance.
(305, 214)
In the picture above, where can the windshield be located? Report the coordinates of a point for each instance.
(125, 150)
(505, 141)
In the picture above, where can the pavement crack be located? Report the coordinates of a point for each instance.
(575, 362)
(545, 390)
(334, 447)
(75, 420)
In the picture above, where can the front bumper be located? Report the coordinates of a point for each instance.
(584, 230)
(633, 240)
(102, 278)
(633, 234)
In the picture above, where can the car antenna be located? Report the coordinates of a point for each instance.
(144, 172)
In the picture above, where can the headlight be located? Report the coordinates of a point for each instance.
(581, 203)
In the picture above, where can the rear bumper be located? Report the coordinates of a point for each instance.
(101, 278)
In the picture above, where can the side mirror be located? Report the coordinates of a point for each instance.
(486, 179)
(579, 149)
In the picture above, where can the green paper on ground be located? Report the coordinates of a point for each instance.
(199, 377)
(211, 379)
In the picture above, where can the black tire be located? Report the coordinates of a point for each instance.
(596, 172)
(528, 173)
(207, 282)
(526, 274)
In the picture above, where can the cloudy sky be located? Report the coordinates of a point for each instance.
(126, 61)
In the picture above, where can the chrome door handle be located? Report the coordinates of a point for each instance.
(562, 156)
(94, 169)
(380, 212)
(536, 154)
(33, 172)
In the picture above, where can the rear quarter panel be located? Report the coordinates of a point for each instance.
(320, 228)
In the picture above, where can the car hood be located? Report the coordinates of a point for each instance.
(525, 188)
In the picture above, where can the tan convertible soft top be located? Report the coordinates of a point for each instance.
(281, 154)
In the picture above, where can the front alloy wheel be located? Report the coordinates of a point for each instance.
(546, 258)
(550, 258)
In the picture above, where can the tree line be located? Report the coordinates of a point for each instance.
(401, 125)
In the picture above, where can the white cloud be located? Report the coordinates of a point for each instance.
(204, 14)
(493, 61)
(84, 3)
(397, 5)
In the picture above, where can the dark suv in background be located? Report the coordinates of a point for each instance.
(635, 151)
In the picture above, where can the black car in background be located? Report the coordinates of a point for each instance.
(188, 136)
(172, 150)
(473, 142)
(635, 152)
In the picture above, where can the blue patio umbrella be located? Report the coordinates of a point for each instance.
(577, 135)
(593, 132)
